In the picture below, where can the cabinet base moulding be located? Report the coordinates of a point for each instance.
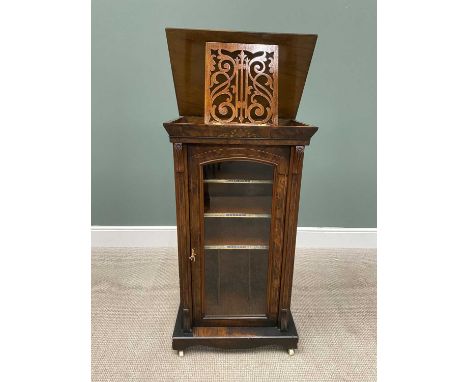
(234, 337)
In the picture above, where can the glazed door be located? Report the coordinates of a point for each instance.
(237, 199)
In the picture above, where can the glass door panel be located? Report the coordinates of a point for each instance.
(237, 217)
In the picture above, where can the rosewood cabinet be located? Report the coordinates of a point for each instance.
(237, 186)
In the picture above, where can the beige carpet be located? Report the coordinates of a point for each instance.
(135, 299)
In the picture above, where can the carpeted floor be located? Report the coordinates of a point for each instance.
(135, 298)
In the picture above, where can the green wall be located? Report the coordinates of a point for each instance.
(132, 94)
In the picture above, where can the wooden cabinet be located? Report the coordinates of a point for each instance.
(237, 198)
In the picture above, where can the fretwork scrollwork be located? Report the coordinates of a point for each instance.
(241, 83)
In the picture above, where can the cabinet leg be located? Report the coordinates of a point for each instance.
(291, 351)
(181, 353)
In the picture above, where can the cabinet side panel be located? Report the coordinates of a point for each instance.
(196, 229)
(183, 232)
(276, 242)
(292, 208)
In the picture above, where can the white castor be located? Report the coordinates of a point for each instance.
(181, 353)
(291, 351)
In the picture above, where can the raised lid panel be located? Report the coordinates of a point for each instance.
(187, 55)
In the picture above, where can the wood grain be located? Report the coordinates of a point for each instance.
(194, 130)
(241, 83)
(234, 337)
(183, 232)
(187, 56)
(290, 231)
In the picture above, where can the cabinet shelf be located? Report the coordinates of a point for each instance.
(240, 172)
(236, 246)
(236, 243)
(238, 207)
(238, 181)
(238, 233)
(235, 215)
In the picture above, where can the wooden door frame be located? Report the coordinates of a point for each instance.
(200, 155)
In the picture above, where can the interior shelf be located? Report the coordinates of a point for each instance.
(238, 172)
(239, 207)
(237, 246)
(239, 181)
(235, 243)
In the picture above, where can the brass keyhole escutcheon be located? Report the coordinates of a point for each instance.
(192, 256)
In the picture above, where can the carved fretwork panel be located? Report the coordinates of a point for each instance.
(241, 83)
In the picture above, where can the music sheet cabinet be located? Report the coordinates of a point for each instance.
(237, 192)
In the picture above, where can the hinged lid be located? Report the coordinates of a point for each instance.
(187, 54)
